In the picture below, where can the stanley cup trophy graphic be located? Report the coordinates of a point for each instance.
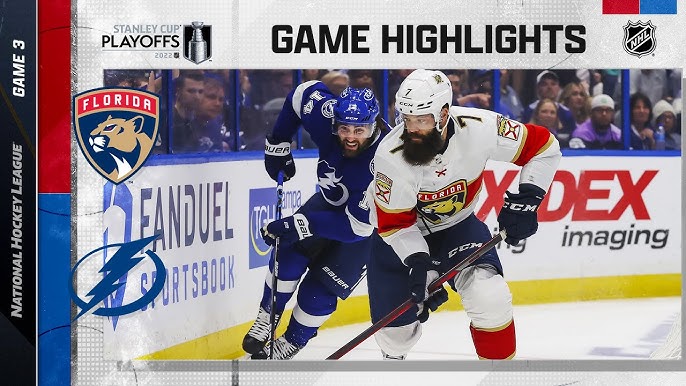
(197, 51)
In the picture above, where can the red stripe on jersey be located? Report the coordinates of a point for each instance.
(395, 221)
(473, 188)
(536, 138)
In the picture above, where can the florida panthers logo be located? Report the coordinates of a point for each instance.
(438, 206)
(116, 129)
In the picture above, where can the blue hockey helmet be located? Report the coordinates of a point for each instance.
(356, 107)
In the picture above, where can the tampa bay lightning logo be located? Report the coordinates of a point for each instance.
(117, 266)
(333, 191)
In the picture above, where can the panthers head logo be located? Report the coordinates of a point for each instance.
(435, 211)
(116, 129)
(442, 204)
(123, 140)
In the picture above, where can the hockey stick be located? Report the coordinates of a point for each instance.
(435, 285)
(275, 270)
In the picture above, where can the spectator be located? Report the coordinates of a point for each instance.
(308, 75)
(576, 99)
(598, 132)
(336, 81)
(548, 86)
(255, 135)
(641, 115)
(188, 92)
(651, 83)
(509, 97)
(664, 115)
(545, 114)
(456, 78)
(212, 132)
(361, 79)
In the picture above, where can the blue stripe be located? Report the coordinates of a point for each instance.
(54, 305)
(657, 7)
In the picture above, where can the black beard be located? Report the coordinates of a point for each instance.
(421, 153)
(354, 153)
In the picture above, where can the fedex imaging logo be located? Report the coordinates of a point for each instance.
(262, 211)
(639, 7)
(116, 129)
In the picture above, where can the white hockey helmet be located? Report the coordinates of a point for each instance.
(424, 92)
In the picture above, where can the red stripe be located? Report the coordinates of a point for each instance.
(536, 138)
(621, 7)
(473, 188)
(395, 221)
(495, 344)
(54, 98)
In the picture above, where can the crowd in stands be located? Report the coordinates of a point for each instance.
(582, 108)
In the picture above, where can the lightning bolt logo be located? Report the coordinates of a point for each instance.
(119, 264)
(332, 190)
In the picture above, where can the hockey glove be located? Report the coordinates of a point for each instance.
(431, 304)
(518, 216)
(288, 230)
(277, 158)
(422, 273)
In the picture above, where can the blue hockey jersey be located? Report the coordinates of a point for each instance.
(343, 181)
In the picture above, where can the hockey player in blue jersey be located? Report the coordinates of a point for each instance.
(332, 236)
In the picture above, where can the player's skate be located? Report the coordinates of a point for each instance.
(258, 334)
(283, 350)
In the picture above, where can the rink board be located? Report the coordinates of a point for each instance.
(605, 232)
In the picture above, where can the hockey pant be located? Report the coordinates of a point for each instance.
(485, 295)
(335, 268)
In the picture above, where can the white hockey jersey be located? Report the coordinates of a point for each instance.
(413, 201)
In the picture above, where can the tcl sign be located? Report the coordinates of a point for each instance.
(576, 193)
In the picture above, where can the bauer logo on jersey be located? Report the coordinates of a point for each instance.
(116, 129)
(382, 190)
(639, 38)
(508, 128)
(439, 205)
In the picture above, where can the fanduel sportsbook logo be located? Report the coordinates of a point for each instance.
(119, 265)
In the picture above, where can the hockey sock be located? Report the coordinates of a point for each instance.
(495, 343)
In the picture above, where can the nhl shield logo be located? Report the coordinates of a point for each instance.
(116, 129)
(639, 38)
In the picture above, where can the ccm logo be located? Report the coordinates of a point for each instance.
(520, 207)
(405, 104)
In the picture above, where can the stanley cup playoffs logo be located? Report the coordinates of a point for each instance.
(197, 42)
(116, 129)
(639, 38)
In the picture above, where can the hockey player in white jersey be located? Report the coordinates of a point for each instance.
(428, 175)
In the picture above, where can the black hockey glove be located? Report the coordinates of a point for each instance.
(422, 273)
(518, 216)
(431, 304)
(277, 157)
(288, 230)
